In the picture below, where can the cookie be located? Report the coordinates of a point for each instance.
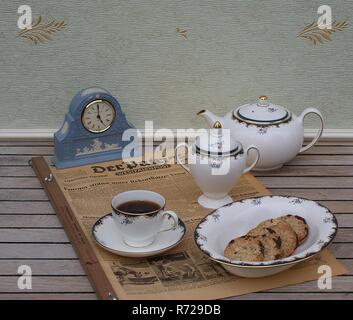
(289, 239)
(258, 230)
(245, 248)
(298, 224)
(273, 246)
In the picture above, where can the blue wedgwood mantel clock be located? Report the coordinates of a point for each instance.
(92, 130)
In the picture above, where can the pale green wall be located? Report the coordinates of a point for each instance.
(235, 51)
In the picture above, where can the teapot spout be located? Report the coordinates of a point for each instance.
(212, 120)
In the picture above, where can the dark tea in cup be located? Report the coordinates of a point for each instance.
(138, 207)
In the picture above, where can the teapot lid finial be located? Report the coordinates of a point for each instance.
(217, 125)
(263, 101)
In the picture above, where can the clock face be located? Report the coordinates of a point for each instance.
(98, 116)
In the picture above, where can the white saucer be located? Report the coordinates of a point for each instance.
(107, 236)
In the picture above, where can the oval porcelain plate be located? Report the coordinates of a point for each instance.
(214, 232)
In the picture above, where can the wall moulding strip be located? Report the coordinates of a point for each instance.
(47, 134)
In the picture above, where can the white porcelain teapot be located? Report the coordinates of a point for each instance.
(216, 161)
(276, 131)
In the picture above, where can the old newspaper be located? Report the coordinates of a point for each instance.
(183, 272)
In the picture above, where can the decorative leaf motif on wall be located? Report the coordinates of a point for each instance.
(182, 32)
(41, 31)
(313, 33)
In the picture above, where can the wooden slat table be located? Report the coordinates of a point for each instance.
(31, 233)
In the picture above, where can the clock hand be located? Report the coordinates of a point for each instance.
(98, 115)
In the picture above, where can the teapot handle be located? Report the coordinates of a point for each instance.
(177, 155)
(255, 161)
(319, 133)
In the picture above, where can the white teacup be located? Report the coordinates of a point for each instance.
(140, 229)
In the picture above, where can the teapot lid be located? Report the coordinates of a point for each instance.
(262, 113)
(217, 142)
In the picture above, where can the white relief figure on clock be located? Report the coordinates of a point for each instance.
(95, 147)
